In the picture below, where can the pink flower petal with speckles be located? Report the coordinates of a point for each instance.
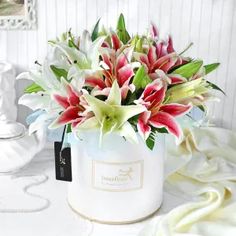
(72, 96)
(160, 49)
(104, 92)
(115, 41)
(152, 57)
(154, 31)
(69, 115)
(107, 61)
(150, 88)
(170, 47)
(77, 121)
(105, 44)
(156, 98)
(143, 128)
(177, 79)
(165, 63)
(95, 81)
(144, 60)
(176, 109)
(125, 74)
(126, 87)
(121, 62)
(61, 100)
(162, 119)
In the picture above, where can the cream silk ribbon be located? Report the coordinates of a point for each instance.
(203, 170)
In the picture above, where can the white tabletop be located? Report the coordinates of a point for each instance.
(58, 219)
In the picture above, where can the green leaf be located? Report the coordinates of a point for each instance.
(121, 30)
(59, 72)
(209, 68)
(202, 108)
(71, 44)
(161, 130)
(189, 69)
(68, 128)
(33, 88)
(150, 142)
(95, 33)
(187, 48)
(141, 79)
(214, 86)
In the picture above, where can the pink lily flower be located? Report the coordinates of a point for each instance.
(74, 108)
(118, 66)
(161, 56)
(159, 114)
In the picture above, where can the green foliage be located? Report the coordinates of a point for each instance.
(71, 44)
(189, 69)
(137, 43)
(68, 128)
(71, 39)
(121, 30)
(209, 68)
(214, 86)
(33, 88)
(59, 72)
(141, 79)
(150, 142)
(202, 108)
(95, 32)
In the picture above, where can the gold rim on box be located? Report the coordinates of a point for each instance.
(113, 222)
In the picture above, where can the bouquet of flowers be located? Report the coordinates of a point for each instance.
(113, 82)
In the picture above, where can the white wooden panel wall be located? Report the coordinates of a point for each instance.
(210, 24)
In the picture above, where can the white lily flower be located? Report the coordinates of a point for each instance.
(49, 84)
(111, 116)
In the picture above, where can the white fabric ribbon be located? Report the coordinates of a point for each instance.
(203, 169)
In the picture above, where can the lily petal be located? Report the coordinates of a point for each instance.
(154, 86)
(107, 126)
(142, 58)
(91, 123)
(152, 57)
(154, 31)
(170, 47)
(94, 81)
(97, 106)
(85, 42)
(126, 112)
(128, 132)
(143, 128)
(125, 74)
(176, 109)
(74, 55)
(114, 97)
(163, 119)
(68, 116)
(61, 100)
(116, 43)
(166, 62)
(177, 79)
(36, 101)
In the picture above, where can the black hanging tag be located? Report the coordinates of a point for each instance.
(62, 161)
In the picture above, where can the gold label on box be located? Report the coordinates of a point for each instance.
(117, 177)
